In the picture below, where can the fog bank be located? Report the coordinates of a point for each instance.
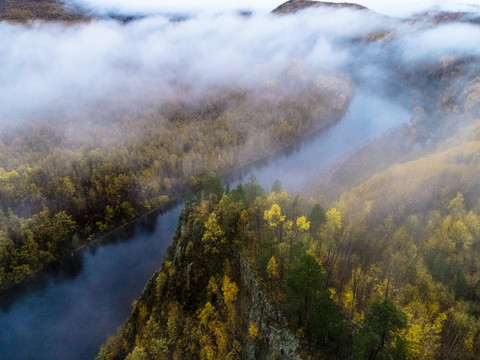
(51, 67)
(396, 8)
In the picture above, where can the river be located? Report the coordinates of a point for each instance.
(67, 311)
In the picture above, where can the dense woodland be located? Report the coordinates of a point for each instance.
(65, 178)
(382, 262)
(389, 269)
(353, 281)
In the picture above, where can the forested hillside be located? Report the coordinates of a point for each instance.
(384, 266)
(389, 270)
(375, 276)
(65, 177)
(378, 259)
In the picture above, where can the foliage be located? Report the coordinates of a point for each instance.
(65, 178)
(362, 309)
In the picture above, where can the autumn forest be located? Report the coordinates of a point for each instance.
(376, 257)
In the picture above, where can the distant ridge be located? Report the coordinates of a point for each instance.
(48, 10)
(293, 6)
(442, 17)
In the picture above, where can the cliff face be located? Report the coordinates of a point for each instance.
(280, 342)
(205, 302)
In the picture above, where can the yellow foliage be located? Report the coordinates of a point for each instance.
(460, 234)
(169, 267)
(423, 331)
(174, 314)
(143, 312)
(206, 314)
(472, 221)
(221, 339)
(213, 231)
(281, 198)
(368, 207)
(348, 300)
(274, 216)
(160, 282)
(303, 224)
(272, 268)
(209, 352)
(254, 331)
(229, 289)
(212, 287)
(288, 225)
(334, 219)
(457, 205)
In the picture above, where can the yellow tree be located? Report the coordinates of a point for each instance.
(303, 224)
(272, 269)
(213, 233)
(274, 216)
(275, 219)
(273, 275)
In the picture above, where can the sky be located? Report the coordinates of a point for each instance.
(388, 7)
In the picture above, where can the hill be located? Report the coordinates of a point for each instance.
(293, 6)
(48, 10)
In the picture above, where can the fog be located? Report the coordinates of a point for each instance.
(400, 8)
(46, 66)
(176, 7)
(54, 67)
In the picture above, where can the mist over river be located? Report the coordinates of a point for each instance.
(67, 311)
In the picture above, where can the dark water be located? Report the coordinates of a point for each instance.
(67, 312)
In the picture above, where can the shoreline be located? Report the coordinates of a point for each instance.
(178, 194)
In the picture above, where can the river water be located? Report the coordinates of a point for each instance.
(66, 312)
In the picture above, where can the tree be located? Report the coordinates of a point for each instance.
(304, 282)
(213, 233)
(334, 220)
(303, 224)
(274, 216)
(277, 186)
(213, 185)
(317, 218)
(229, 289)
(272, 269)
(326, 325)
(381, 337)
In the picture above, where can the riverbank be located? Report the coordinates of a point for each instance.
(177, 193)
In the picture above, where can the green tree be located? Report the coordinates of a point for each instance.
(381, 336)
(213, 185)
(277, 186)
(317, 218)
(304, 283)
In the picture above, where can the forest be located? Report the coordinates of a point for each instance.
(352, 281)
(378, 259)
(61, 185)
(379, 262)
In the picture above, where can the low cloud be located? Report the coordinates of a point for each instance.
(46, 67)
(176, 7)
(397, 8)
(405, 8)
